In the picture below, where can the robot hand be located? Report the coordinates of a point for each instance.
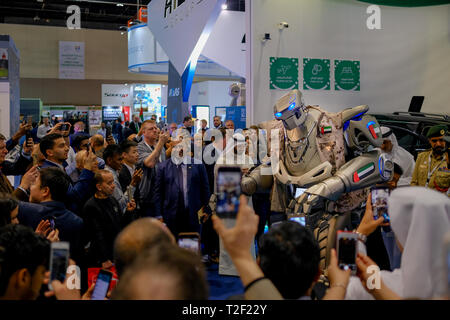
(309, 198)
(329, 189)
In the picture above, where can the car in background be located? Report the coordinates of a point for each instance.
(411, 128)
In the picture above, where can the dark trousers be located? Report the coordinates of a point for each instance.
(261, 205)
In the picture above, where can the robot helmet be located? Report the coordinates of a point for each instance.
(291, 110)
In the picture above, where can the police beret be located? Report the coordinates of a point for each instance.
(437, 131)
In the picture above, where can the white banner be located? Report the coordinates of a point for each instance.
(71, 60)
(117, 95)
(182, 27)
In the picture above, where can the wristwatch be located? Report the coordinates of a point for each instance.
(361, 237)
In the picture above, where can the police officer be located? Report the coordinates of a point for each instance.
(432, 170)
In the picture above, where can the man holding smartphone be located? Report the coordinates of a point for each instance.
(44, 128)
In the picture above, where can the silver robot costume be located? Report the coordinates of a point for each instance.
(328, 155)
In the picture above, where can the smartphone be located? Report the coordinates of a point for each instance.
(52, 223)
(228, 191)
(101, 285)
(346, 250)
(129, 194)
(59, 261)
(298, 218)
(30, 120)
(190, 241)
(380, 196)
(64, 127)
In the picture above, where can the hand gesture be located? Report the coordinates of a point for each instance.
(53, 236)
(337, 276)
(131, 206)
(91, 162)
(43, 228)
(239, 239)
(67, 131)
(28, 146)
(60, 290)
(137, 176)
(164, 137)
(23, 128)
(368, 223)
(29, 178)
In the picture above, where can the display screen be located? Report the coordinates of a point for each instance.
(301, 220)
(189, 243)
(60, 259)
(229, 190)
(347, 253)
(299, 192)
(380, 203)
(101, 286)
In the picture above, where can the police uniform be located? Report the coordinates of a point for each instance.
(432, 172)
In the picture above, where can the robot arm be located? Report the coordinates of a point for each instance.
(256, 181)
(361, 172)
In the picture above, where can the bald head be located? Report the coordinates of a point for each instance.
(138, 236)
(164, 272)
(97, 141)
(80, 157)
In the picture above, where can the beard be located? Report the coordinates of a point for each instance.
(439, 151)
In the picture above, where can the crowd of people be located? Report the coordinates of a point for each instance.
(121, 199)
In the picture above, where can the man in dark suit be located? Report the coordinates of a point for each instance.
(135, 125)
(47, 197)
(55, 150)
(130, 157)
(180, 191)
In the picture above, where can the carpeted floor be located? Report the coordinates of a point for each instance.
(222, 287)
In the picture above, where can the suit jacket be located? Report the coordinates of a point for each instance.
(133, 127)
(103, 226)
(79, 192)
(166, 192)
(124, 178)
(17, 168)
(68, 223)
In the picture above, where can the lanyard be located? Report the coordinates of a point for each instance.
(435, 168)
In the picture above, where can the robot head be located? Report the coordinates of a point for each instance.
(291, 110)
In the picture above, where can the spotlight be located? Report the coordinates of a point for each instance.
(224, 7)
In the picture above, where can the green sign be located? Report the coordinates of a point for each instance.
(316, 74)
(346, 75)
(283, 73)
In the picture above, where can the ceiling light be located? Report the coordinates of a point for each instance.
(224, 7)
(119, 4)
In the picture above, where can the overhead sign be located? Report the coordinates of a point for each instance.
(117, 95)
(71, 60)
(182, 27)
(316, 74)
(346, 75)
(283, 73)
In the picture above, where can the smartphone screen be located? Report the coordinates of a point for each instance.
(300, 220)
(101, 285)
(229, 190)
(380, 203)
(189, 243)
(30, 119)
(59, 261)
(347, 252)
